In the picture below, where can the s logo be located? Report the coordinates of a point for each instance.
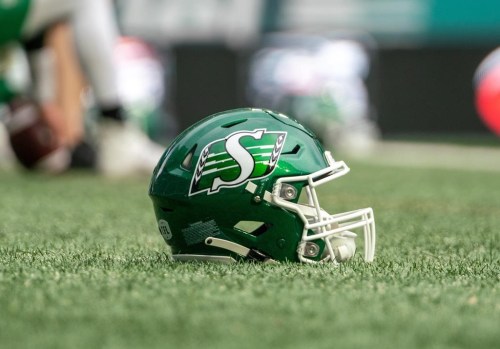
(237, 159)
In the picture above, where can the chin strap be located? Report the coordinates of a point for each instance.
(344, 246)
(241, 250)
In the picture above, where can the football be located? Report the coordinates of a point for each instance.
(35, 140)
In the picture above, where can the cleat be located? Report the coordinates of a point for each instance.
(124, 150)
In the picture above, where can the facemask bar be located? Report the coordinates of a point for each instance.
(318, 220)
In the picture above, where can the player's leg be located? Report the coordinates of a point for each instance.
(69, 82)
(40, 143)
(69, 86)
(123, 149)
(96, 33)
(43, 13)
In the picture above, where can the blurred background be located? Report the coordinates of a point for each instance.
(355, 71)
(415, 58)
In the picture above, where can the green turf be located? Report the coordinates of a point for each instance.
(82, 266)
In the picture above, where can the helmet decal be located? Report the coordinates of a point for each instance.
(164, 228)
(236, 159)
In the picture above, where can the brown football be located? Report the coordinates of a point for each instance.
(34, 138)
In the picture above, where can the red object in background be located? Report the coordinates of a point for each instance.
(488, 99)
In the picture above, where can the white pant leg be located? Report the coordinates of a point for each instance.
(44, 12)
(96, 34)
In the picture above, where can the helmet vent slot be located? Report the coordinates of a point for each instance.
(187, 163)
(234, 123)
(294, 151)
(254, 228)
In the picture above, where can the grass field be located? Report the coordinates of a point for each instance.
(82, 266)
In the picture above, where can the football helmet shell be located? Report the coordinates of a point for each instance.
(228, 188)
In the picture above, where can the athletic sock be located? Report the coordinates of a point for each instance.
(114, 113)
(83, 156)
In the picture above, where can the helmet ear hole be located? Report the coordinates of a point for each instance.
(233, 123)
(254, 228)
(294, 150)
(187, 163)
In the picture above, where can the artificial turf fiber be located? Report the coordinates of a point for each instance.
(83, 266)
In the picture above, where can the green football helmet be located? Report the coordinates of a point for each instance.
(242, 185)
